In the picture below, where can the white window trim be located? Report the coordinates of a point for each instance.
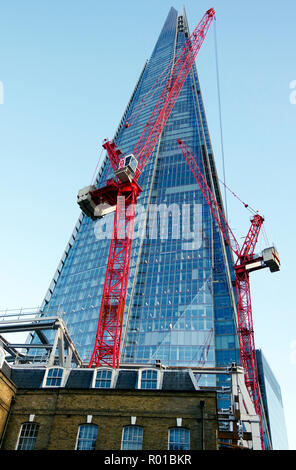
(2, 357)
(113, 377)
(20, 431)
(179, 427)
(83, 424)
(193, 379)
(130, 426)
(159, 378)
(122, 433)
(63, 380)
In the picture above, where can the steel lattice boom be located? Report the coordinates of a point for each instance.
(245, 256)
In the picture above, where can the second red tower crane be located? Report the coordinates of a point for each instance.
(246, 262)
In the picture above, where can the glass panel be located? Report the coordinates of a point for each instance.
(54, 377)
(149, 379)
(87, 437)
(103, 379)
(28, 436)
(179, 439)
(132, 438)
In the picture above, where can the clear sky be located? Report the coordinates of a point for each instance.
(67, 69)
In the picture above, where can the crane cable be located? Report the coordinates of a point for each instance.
(220, 114)
(249, 208)
(221, 131)
(95, 172)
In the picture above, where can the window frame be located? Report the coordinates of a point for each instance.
(131, 426)
(180, 428)
(62, 383)
(78, 432)
(95, 375)
(158, 380)
(26, 423)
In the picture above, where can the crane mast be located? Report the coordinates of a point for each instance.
(120, 195)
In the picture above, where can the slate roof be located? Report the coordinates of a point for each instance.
(177, 380)
(27, 378)
(79, 378)
(127, 379)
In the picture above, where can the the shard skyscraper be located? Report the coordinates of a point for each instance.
(180, 305)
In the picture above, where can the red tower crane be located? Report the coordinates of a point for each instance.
(246, 262)
(121, 195)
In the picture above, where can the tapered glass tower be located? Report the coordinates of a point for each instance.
(180, 305)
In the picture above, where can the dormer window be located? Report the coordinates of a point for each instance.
(53, 377)
(148, 379)
(103, 378)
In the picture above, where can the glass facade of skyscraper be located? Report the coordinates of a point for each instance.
(273, 404)
(180, 302)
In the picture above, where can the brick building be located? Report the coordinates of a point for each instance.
(104, 409)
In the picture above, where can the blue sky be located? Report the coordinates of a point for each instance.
(68, 69)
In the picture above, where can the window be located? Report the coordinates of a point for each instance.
(103, 378)
(179, 439)
(2, 357)
(87, 437)
(28, 436)
(148, 379)
(132, 438)
(54, 377)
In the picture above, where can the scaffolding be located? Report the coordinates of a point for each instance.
(58, 351)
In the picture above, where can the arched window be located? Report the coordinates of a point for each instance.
(132, 438)
(103, 378)
(27, 437)
(87, 437)
(54, 377)
(179, 439)
(149, 379)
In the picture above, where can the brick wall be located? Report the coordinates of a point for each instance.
(60, 412)
(7, 393)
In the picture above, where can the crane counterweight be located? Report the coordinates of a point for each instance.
(85, 202)
(271, 259)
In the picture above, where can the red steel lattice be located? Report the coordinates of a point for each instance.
(244, 305)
